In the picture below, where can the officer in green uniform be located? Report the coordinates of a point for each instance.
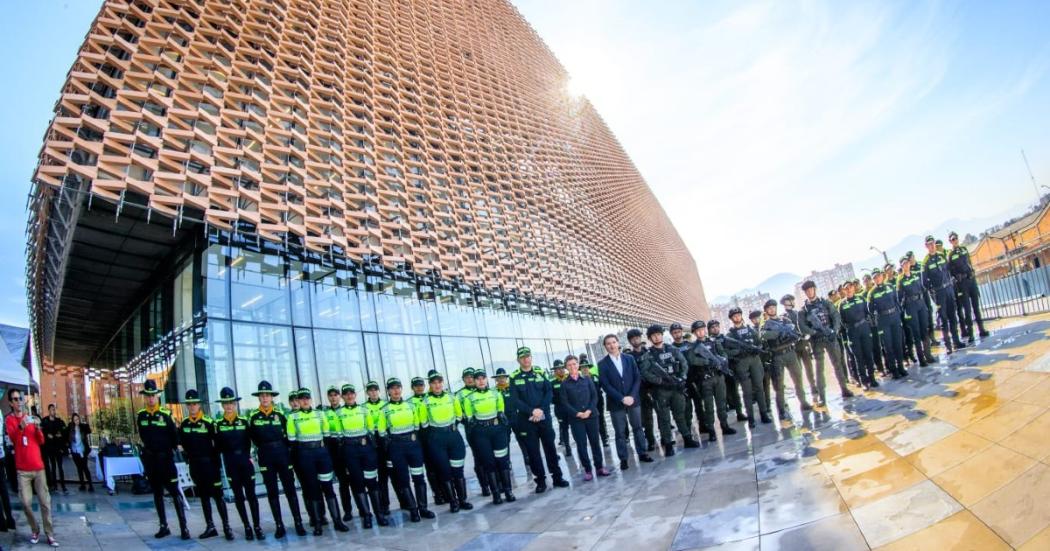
(419, 393)
(745, 359)
(441, 411)
(883, 303)
(236, 449)
(916, 316)
(359, 453)
(334, 447)
(160, 436)
(665, 369)
(268, 430)
(781, 335)
(403, 421)
(531, 391)
(704, 374)
(468, 387)
(374, 404)
(307, 428)
(968, 296)
(484, 411)
(510, 411)
(293, 453)
(197, 438)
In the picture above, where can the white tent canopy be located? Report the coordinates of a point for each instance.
(12, 373)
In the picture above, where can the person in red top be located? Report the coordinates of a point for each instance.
(24, 431)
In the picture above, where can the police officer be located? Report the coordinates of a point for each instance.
(637, 350)
(419, 393)
(692, 391)
(333, 443)
(197, 438)
(441, 412)
(559, 411)
(718, 346)
(160, 436)
(359, 454)
(853, 310)
(911, 294)
(746, 362)
(937, 279)
(374, 404)
(666, 370)
(780, 335)
(307, 429)
(966, 291)
(468, 386)
(403, 421)
(705, 375)
(268, 431)
(510, 412)
(485, 410)
(819, 319)
(590, 370)
(755, 317)
(532, 392)
(876, 346)
(236, 450)
(803, 350)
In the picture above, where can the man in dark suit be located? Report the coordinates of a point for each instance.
(620, 379)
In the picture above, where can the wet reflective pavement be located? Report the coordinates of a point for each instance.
(957, 456)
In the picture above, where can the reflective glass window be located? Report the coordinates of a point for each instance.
(559, 349)
(216, 302)
(300, 289)
(405, 356)
(340, 357)
(217, 350)
(461, 353)
(304, 355)
(454, 319)
(335, 307)
(541, 356)
(374, 358)
(263, 352)
(397, 314)
(504, 354)
(258, 289)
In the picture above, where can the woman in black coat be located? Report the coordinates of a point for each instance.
(580, 402)
(80, 448)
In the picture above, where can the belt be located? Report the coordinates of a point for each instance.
(360, 440)
(449, 428)
(945, 286)
(889, 312)
(856, 324)
(272, 444)
(403, 437)
(311, 444)
(913, 298)
(487, 422)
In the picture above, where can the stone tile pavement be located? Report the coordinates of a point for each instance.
(957, 456)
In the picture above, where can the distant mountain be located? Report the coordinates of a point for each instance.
(973, 226)
(777, 286)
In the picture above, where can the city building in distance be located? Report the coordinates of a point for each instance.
(746, 303)
(331, 192)
(826, 280)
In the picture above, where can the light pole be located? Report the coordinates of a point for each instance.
(882, 252)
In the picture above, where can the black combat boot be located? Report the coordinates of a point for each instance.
(373, 498)
(333, 508)
(406, 497)
(209, 532)
(727, 430)
(485, 490)
(180, 513)
(668, 450)
(421, 499)
(459, 485)
(507, 485)
(453, 503)
(363, 510)
(314, 506)
(541, 485)
(691, 443)
(497, 499)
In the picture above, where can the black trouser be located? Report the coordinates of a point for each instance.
(892, 336)
(692, 397)
(916, 318)
(333, 445)
(54, 470)
(733, 401)
(713, 393)
(968, 296)
(536, 435)
(520, 439)
(749, 373)
(804, 352)
(603, 431)
(406, 456)
(159, 469)
(240, 472)
(479, 471)
(315, 464)
(207, 480)
(876, 347)
(492, 446)
(563, 430)
(945, 299)
(361, 463)
(5, 500)
(648, 416)
(275, 465)
(584, 431)
(83, 473)
(830, 348)
(445, 446)
(861, 343)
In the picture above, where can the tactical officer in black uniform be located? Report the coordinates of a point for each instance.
(803, 350)
(531, 391)
(666, 370)
(236, 450)
(160, 436)
(268, 430)
(706, 374)
(744, 349)
(692, 393)
(916, 317)
(780, 335)
(637, 350)
(937, 280)
(733, 401)
(197, 438)
(966, 292)
(819, 319)
(853, 310)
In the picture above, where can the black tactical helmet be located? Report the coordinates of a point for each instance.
(713, 323)
(653, 329)
(787, 298)
(769, 303)
(698, 324)
(632, 333)
(676, 325)
(734, 311)
(754, 314)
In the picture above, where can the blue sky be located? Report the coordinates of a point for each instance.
(779, 136)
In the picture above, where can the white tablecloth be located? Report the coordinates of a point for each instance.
(109, 467)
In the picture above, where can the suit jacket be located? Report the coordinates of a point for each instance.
(615, 386)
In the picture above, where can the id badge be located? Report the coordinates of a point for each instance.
(25, 441)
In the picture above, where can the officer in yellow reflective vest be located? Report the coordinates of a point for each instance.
(332, 443)
(374, 404)
(468, 387)
(441, 412)
(484, 412)
(419, 393)
(406, 455)
(359, 454)
(307, 428)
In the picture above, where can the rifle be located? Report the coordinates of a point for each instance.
(713, 360)
(785, 332)
(814, 321)
(740, 346)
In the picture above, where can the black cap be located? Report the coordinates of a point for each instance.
(698, 324)
(786, 298)
(192, 397)
(653, 329)
(808, 284)
(228, 395)
(676, 325)
(734, 311)
(349, 388)
(265, 388)
(305, 393)
(500, 372)
(393, 381)
(480, 373)
(558, 364)
(635, 332)
(930, 239)
(433, 374)
(371, 385)
(149, 388)
(952, 234)
(769, 303)
(420, 381)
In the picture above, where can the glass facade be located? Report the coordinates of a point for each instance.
(300, 324)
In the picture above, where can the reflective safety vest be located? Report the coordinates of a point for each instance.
(401, 417)
(442, 410)
(357, 421)
(375, 409)
(307, 426)
(483, 404)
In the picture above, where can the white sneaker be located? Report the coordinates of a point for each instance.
(34, 538)
(51, 541)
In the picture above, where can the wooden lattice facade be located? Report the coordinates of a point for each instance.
(432, 134)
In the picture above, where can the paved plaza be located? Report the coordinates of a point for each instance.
(954, 457)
